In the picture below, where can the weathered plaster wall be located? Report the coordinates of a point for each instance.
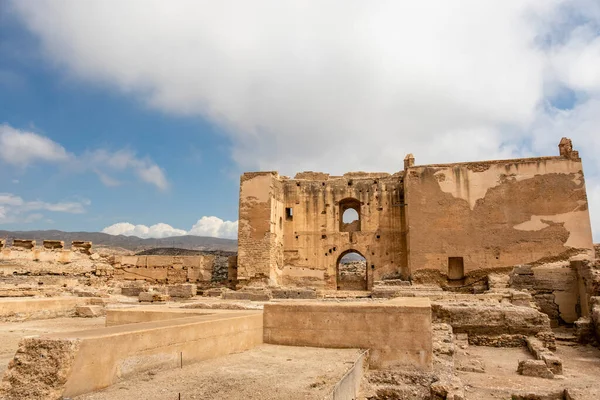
(496, 214)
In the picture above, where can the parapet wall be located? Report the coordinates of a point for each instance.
(50, 251)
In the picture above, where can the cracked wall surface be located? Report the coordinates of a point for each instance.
(497, 213)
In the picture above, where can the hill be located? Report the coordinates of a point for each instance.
(132, 243)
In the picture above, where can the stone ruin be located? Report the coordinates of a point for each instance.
(459, 271)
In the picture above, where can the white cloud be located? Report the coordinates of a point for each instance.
(144, 168)
(21, 148)
(143, 231)
(346, 85)
(216, 227)
(14, 209)
(206, 226)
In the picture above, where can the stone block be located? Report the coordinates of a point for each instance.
(23, 244)
(294, 293)
(145, 297)
(553, 362)
(81, 246)
(536, 368)
(185, 290)
(584, 330)
(53, 244)
(131, 291)
(89, 311)
(153, 297)
(243, 295)
(213, 292)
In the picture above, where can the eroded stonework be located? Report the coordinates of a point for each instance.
(426, 223)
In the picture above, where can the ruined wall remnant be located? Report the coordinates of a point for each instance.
(23, 244)
(292, 231)
(260, 232)
(496, 214)
(54, 244)
(164, 269)
(2, 243)
(439, 222)
(81, 246)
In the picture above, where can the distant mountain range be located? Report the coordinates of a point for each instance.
(132, 243)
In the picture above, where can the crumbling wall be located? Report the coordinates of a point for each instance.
(164, 269)
(50, 251)
(554, 287)
(260, 235)
(314, 236)
(488, 324)
(496, 214)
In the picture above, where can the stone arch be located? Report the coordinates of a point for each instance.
(350, 205)
(352, 276)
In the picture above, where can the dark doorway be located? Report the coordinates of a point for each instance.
(456, 268)
(352, 271)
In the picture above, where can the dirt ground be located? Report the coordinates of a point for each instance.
(12, 332)
(581, 372)
(266, 372)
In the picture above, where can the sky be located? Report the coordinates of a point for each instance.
(138, 116)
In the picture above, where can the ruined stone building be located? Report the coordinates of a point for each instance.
(425, 223)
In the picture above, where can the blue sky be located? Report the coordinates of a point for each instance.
(143, 113)
(37, 96)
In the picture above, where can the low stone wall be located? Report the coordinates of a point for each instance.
(396, 332)
(39, 308)
(164, 269)
(136, 315)
(119, 351)
(494, 324)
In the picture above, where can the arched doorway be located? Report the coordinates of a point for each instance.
(351, 271)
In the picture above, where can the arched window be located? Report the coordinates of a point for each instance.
(349, 215)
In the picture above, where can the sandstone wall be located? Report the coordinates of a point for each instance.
(315, 240)
(260, 237)
(496, 214)
(164, 269)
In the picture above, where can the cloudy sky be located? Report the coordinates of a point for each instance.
(138, 116)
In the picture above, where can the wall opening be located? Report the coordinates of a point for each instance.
(349, 215)
(456, 268)
(351, 271)
(289, 214)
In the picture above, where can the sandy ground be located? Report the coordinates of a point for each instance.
(581, 372)
(12, 332)
(266, 372)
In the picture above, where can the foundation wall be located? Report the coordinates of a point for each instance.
(23, 309)
(123, 350)
(496, 214)
(138, 314)
(395, 332)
